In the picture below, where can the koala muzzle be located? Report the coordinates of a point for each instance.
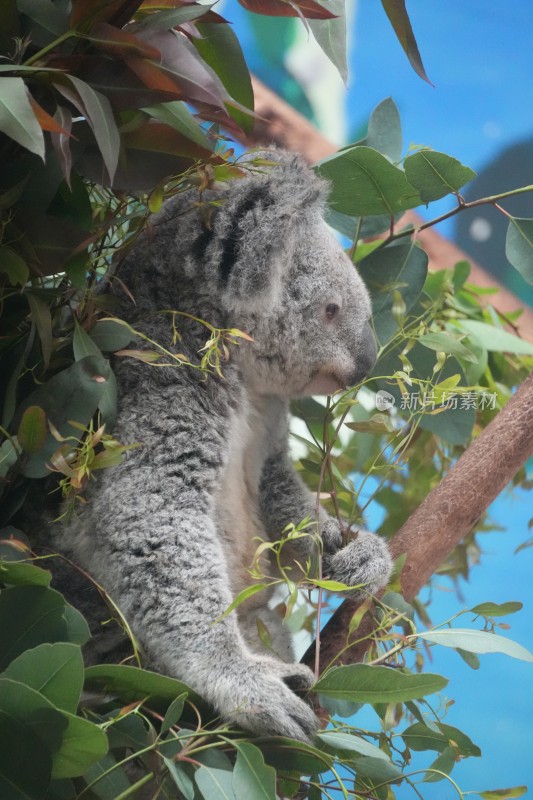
(366, 356)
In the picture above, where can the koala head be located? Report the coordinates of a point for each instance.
(283, 278)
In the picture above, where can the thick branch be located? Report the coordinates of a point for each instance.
(447, 514)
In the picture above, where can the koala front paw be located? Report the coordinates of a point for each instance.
(365, 563)
(262, 699)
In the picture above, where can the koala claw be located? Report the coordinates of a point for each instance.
(365, 562)
(263, 700)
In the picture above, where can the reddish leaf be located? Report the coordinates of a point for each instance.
(120, 43)
(86, 13)
(160, 138)
(97, 110)
(182, 65)
(399, 19)
(154, 77)
(61, 143)
(44, 119)
(288, 8)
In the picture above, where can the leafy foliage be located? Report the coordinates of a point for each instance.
(106, 109)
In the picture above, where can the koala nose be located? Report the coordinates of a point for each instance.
(367, 352)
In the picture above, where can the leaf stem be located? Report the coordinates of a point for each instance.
(51, 46)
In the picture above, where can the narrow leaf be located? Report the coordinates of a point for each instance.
(12, 265)
(330, 34)
(399, 19)
(477, 642)
(519, 246)
(17, 118)
(361, 683)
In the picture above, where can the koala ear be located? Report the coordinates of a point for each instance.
(248, 245)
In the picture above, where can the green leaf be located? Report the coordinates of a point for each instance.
(519, 246)
(54, 670)
(79, 742)
(181, 778)
(214, 784)
(291, 756)
(32, 431)
(364, 182)
(420, 737)
(171, 17)
(361, 683)
(477, 642)
(132, 683)
(97, 110)
(341, 741)
(377, 770)
(177, 115)
(402, 269)
(12, 265)
(399, 19)
(20, 747)
(29, 616)
(83, 743)
(385, 130)
(110, 785)
(42, 318)
(221, 50)
(444, 763)
(173, 713)
(495, 339)
(497, 609)
(110, 335)
(77, 628)
(17, 119)
(252, 778)
(436, 174)
(444, 343)
(82, 343)
(71, 395)
(504, 794)
(330, 34)
(19, 573)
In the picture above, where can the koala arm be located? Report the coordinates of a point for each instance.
(149, 537)
(365, 562)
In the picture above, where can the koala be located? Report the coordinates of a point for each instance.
(171, 532)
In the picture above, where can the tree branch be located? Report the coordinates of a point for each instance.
(452, 509)
(445, 517)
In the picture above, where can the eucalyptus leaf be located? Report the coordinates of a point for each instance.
(519, 246)
(385, 130)
(364, 182)
(29, 616)
(477, 642)
(343, 741)
(252, 778)
(215, 784)
(17, 118)
(362, 683)
(420, 737)
(494, 339)
(436, 174)
(330, 34)
(54, 670)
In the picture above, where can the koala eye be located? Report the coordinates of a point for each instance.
(332, 310)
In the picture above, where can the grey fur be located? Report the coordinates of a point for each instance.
(170, 532)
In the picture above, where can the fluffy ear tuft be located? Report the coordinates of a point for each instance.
(249, 239)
